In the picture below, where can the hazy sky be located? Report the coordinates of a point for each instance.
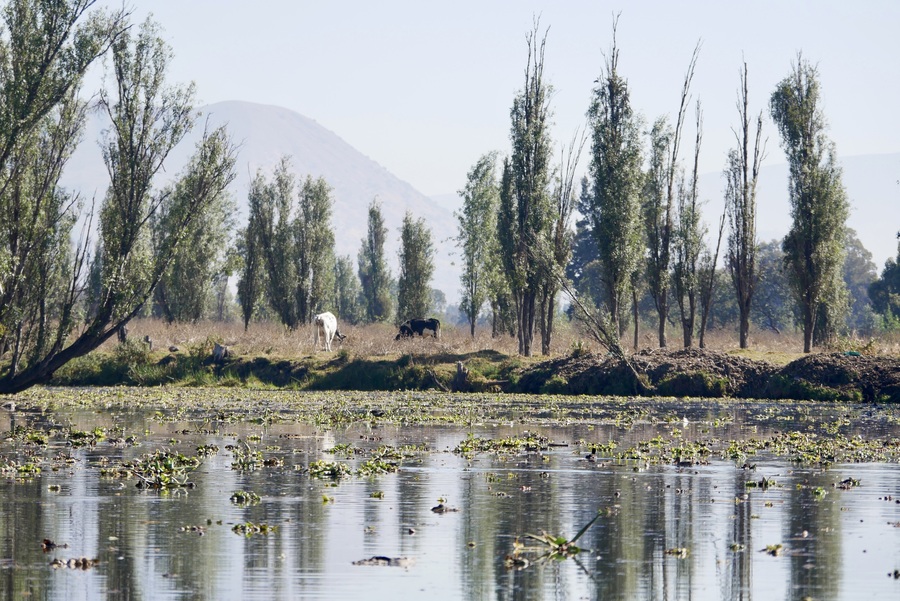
(424, 88)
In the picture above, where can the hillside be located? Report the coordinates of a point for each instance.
(266, 133)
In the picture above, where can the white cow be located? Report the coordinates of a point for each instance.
(327, 323)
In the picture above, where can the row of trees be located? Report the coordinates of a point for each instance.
(641, 232)
(290, 269)
(142, 245)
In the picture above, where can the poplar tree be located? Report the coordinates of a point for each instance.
(186, 288)
(416, 268)
(688, 246)
(741, 175)
(374, 275)
(659, 200)
(271, 206)
(524, 193)
(314, 247)
(814, 245)
(477, 236)
(614, 203)
(347, 292)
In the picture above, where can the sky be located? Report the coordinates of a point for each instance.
(425, 88)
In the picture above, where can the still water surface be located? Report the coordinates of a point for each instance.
(180, 544)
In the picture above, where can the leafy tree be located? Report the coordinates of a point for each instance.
(44, 60)
(252, 282)
(476, 235)
(658, 220)
(814, 253)
(186, 287)
(859, 272)
(885, 291)
(772, 309)
(347, 291)
(271, 208)
(416, 268)
(742, 174)
(613, 205)
(374, 275)
(314, 247)
(524, 193)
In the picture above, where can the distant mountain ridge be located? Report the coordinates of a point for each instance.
(264, 134)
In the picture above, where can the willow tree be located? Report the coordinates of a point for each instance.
(741, 175)
(148, 118)
(614, 202)
(524, 193)
(814, 245)
(187, 287)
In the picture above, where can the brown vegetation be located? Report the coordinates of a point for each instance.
(268, 339)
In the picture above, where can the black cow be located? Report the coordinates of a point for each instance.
(418, 326)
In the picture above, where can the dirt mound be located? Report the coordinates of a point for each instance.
(704, 373)
(872, 378)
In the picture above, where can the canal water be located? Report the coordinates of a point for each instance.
(455, 520)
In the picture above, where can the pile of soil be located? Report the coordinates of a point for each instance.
(704, 373)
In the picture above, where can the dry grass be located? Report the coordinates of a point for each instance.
(377, 340)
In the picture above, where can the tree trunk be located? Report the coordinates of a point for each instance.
(635, 316)
(745, 327)
(809, 323)
(547, 318)
(663, 312)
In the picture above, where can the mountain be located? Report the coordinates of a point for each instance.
(266, 133)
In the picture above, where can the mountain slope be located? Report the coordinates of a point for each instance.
(265, 134)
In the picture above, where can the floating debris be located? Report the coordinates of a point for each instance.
(381, 560)
(76, 563)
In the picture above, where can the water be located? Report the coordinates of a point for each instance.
(181, 543)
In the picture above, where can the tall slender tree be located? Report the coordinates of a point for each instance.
(742, 174)
(659, 200)
(476, 235)
(314, 245)
(814, 245)
(271, 206)
(688, 244)
(558, 237)
(613, 210)
(416, 269)
(250, 249)
(347, 291)
(186, 287)
(374, 275)
(524, 192)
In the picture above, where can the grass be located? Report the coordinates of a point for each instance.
(268, 355)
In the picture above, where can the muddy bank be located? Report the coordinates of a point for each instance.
(703, 373)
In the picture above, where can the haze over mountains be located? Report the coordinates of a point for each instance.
(265, 133)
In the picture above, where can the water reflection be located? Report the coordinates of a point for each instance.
(835, 544)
